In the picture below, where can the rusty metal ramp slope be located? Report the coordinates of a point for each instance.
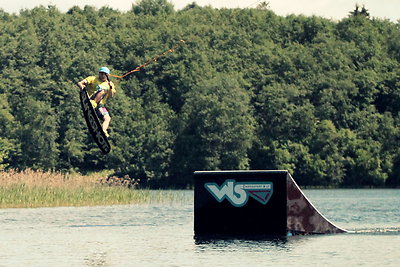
(302, 216)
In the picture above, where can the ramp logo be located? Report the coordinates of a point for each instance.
(238, 193)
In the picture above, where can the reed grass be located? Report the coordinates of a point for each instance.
(29, 188)
(32, 178)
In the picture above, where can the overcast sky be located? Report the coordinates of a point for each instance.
(332, 9)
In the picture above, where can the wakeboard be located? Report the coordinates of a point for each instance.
(93, 123)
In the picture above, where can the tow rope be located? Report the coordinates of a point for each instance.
(150, 60)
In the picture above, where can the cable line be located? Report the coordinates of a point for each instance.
(150, 60)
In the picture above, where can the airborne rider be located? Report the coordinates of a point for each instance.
(99, 89)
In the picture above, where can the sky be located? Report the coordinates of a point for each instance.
(331, 9)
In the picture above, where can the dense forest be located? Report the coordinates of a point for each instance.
(248, 89)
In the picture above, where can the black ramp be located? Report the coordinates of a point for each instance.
(254, 204)
(240, 203)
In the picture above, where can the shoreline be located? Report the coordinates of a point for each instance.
(33, 189)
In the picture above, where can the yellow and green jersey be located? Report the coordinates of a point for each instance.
(94, 84)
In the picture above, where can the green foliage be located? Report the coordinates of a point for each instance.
(248, 90)
(7, 123)
(153, 7)
(217, 127)
(37, 136)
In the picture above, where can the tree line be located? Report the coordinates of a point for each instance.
(247, 90)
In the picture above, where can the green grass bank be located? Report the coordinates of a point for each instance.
(29, 189)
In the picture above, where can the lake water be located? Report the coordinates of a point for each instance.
(162, 235)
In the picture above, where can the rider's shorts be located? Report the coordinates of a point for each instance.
(101, 112)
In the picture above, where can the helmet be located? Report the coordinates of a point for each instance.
(105, 70)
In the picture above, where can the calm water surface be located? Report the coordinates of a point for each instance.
(162, 235)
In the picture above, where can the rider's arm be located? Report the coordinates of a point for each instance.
(112, 91)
